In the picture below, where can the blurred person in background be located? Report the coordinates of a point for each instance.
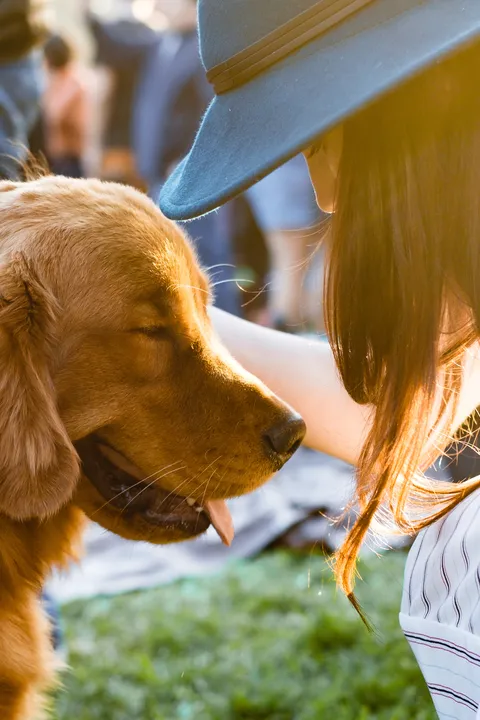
(285, 209)
(121, 44)
(64, 109)
(158, 96)
(172, 96)
(23, 27)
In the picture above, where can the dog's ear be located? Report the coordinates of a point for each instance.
(38, 464)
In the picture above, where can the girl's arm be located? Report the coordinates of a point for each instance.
(303, 373)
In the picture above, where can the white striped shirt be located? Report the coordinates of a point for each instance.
(440, 613)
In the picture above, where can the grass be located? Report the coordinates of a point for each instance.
(269, 639)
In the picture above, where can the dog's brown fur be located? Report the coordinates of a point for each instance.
(89, 272)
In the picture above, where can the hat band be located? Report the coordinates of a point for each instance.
(282, 42)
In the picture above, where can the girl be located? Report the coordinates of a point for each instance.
(381, 97)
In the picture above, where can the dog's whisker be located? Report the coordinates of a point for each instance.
(177, 488)
(207, 484)
(214, 274)
(139, 482)
(165, 467)
(223, 475)
(233, 280)
(207, 467)
(158, 475)
(122, 492)
(256, 295)
(220, 265)
(218, 483)
(189, 287)
(155, 479)
(188, 479)
(131, 487)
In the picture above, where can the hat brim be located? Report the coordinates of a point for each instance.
(250, 131)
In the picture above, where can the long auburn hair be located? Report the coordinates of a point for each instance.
(402, 291)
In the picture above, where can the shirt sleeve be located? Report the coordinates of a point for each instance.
(440, 613)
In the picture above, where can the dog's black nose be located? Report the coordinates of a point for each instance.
(285, 437)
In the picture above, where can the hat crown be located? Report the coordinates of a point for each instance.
(227, 27)
(269, 116)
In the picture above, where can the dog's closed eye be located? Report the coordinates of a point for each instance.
(156, 332)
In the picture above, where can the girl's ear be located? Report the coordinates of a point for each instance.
(323, 160)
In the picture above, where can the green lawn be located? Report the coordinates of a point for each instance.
(269, 639)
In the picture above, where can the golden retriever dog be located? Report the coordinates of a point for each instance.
(117, 401)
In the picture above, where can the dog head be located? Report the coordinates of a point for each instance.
(116, 393)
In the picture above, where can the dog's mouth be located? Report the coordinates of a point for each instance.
(124, 487)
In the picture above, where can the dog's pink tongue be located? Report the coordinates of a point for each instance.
(219, 514)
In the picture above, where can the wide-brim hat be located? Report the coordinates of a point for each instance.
(286, 71)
